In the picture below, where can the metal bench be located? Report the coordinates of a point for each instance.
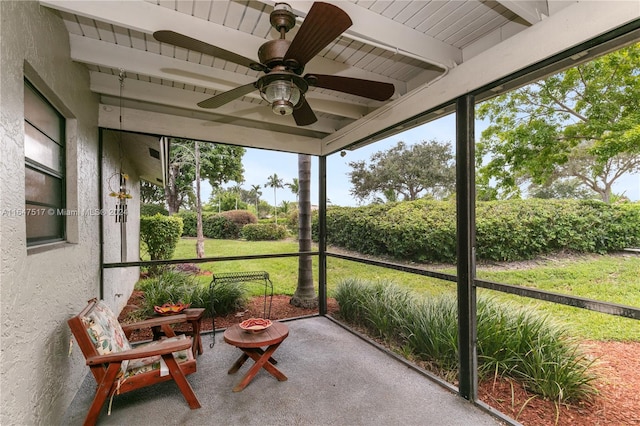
(242, 277)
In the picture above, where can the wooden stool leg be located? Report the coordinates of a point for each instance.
(261, 361)
(239, 362)
(268, 365)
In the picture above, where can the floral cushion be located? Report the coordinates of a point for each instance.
(143, 365)
(105, 330)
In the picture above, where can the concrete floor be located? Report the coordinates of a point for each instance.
(334, 378)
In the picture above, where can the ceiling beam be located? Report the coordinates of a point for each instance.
(147, 18)
(531, 11)
(170, 125)
(157, 94)
(391, 35)
(561, 31)
(100, 53)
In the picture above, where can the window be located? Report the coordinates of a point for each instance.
(44, 153)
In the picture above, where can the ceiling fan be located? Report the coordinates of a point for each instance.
(282, 62)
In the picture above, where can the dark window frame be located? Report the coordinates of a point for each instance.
(47, 211)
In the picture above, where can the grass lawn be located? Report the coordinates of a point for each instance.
(614, 278)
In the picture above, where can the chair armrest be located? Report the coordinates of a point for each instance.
(154, 322)
(163, 347)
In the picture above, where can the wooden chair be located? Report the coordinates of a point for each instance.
(118, 367)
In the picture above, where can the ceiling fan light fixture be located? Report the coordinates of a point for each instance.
(283, 95)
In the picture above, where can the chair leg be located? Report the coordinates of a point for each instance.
(102, 393)
(181, 381)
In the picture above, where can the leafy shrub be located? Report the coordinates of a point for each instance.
(261, 232)
(425, 230)
(219, 227)
(152, 209)
(292, 220)
(513, 342)
(174, 287)
(523, 344)
(214, 225)
(240, 217)
(189, 219)
(160, 234)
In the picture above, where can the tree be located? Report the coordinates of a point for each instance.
(255, 194)
(179, 184)
(305, 295)
(274, 182)
(583, 123)
(225, 199)
(561, 189)
(294, 186)
(151, 193)
(192, 160)
(219, 164)
(285, 206)
(426, 168)
(237, 189)
(199, 230)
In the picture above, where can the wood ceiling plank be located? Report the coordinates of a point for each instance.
(372, 26)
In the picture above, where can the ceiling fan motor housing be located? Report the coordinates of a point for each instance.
(283, 61)
(272, 52)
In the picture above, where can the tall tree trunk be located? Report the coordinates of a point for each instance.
(199, 233)
(172, 194)
(305, 295)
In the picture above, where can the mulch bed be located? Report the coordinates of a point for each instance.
(618, 365)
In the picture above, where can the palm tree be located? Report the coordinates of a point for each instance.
(256, 193)
(305, 295)
(237, 188)
(274, 182)
(295, 187)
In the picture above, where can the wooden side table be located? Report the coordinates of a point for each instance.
(251, 345)
(192, 316)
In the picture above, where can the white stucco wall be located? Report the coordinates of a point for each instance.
(40, 291)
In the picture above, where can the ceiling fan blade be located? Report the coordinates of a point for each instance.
(304, 114)
(323, 24)
(181, 40)
(376, 90)
(228, 96)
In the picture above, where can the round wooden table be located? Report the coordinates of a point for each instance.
(251, 345)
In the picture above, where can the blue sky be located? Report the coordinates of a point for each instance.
(260, 164)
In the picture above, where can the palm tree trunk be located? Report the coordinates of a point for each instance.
(305, 295)
(275, 204)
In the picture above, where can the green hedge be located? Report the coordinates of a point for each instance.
(214, 225)
(160, 234)
(190, 220)
(264, 231)
(425, 230)
(219, 227)
(240, 217)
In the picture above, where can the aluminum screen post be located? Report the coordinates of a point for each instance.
(322, 236)
(465, 226)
